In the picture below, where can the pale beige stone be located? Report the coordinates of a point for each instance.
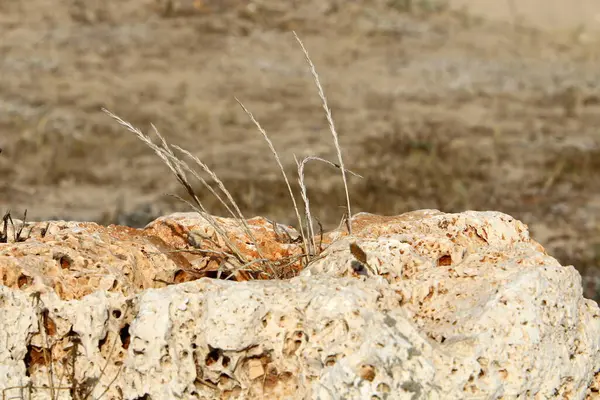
(462, 306)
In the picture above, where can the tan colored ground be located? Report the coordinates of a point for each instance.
(545, 14)
(435, 108)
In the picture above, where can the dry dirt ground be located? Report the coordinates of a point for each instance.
(436, 108)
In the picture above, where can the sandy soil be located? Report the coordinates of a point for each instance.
(436, 108)
(583, 15)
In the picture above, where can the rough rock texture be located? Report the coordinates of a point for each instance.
(421, 305)
(75, 259)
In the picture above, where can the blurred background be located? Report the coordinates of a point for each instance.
(452, 105)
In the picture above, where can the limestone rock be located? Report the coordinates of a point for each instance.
(510, 317)
(422, 305)
(74, 259)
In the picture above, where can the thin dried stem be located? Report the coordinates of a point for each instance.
(209, 187)
(239, 217)
(194, 173)
(175, 166)
(315, 158)
(331, 125)
(310, 226)
(276, 155)
(235, 250)
(309, 223)
(193, 251)
(244, 267)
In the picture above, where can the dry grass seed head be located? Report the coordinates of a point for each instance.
(278, 160)
(175, 165)
(331, 125)
(178, 168)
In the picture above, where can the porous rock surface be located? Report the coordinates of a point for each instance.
(422, 305)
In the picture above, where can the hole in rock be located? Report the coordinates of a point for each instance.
(367, 372)
(64, 261)
(330, 361)
(49, 325)
(165, 359)
(212, 356)
(116, 313)
(291, 346)
(265, 320)
(181, 276)
(24, 280)
(445, 261)
(124, 335)
(272, 378)
(383, 388)
(102, 341)
(34, 356)
(224, 379)
(286, 376)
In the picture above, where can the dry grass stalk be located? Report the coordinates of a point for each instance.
(315, 158)
(236, 260)
(287, 182)
(176, 165)
(301, 165)
(309, 223)
(179, 168)
(331, 126)
(239, 217)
